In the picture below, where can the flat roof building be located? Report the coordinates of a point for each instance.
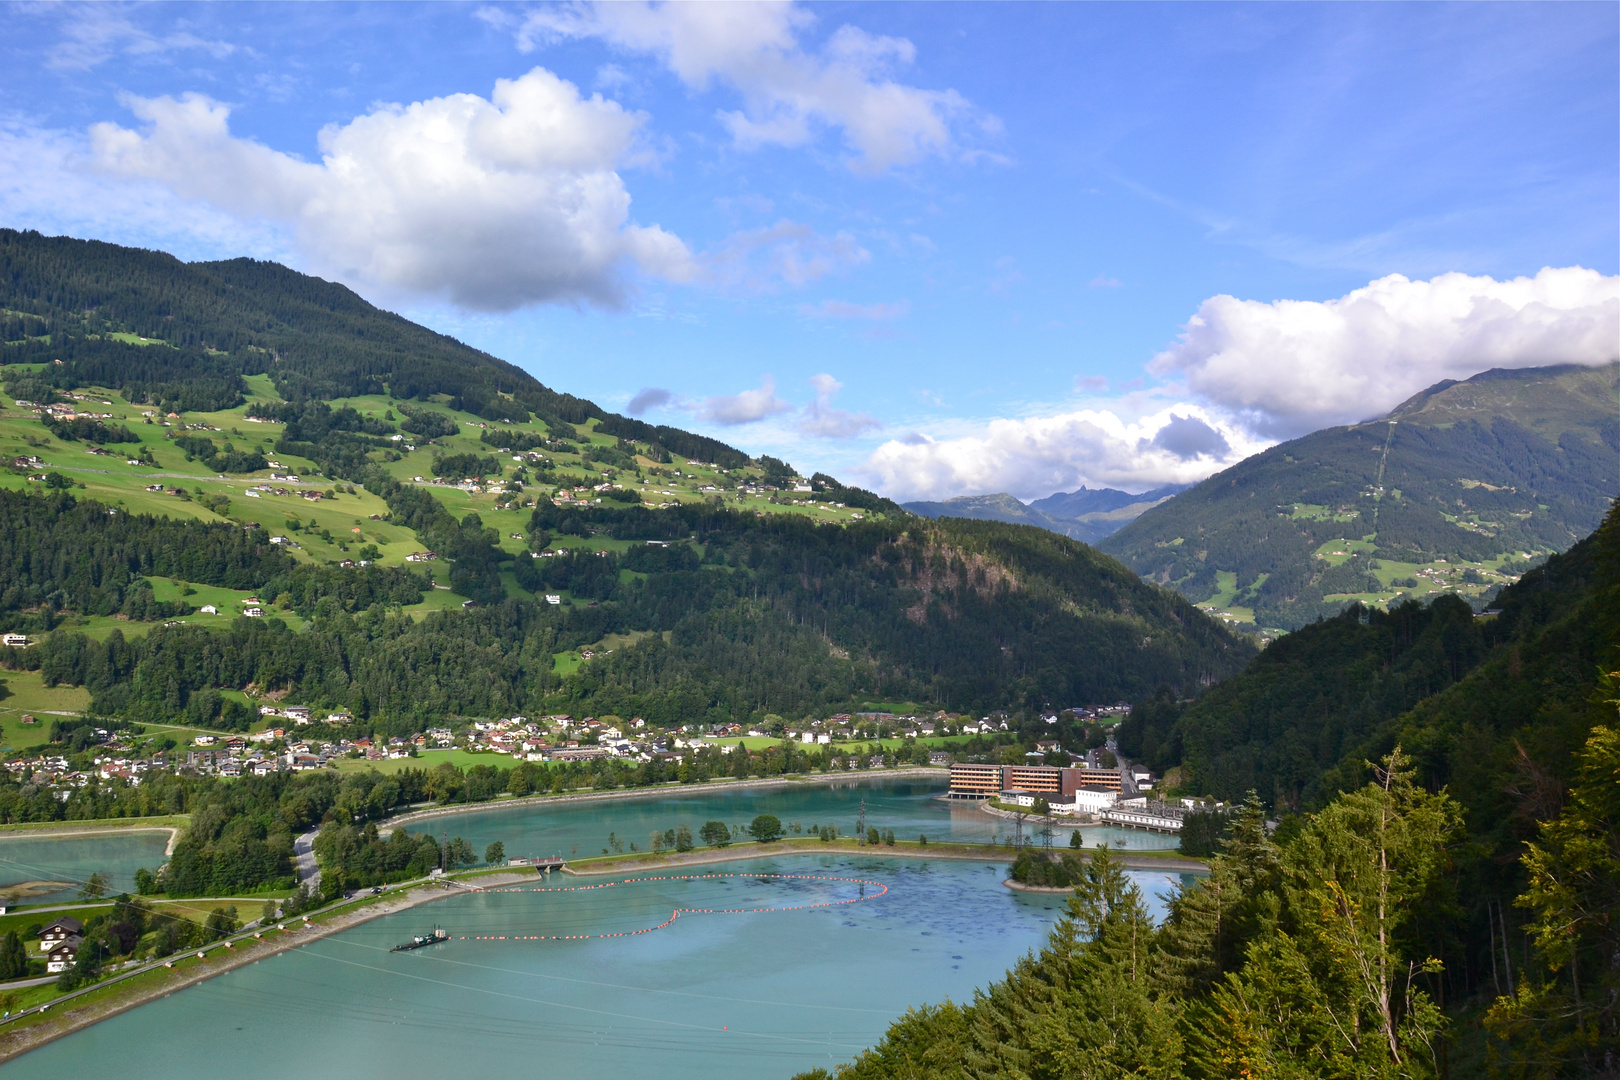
(986, 781)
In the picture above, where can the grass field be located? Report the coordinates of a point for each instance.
(427, 759)
(26, 693)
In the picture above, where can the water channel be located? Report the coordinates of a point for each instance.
(725, 990)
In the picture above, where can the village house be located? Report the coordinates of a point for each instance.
(62, 956)
(59, 931)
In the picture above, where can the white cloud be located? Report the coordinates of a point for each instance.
(1034, 457)
(1295, 366)
(492, 203)
(788, 92)
(823, 420)
(93, 34)
(46, 183)
(841, 309)
(756, 259)
(743, 408)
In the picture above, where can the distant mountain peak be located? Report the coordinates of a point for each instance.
(1086, 514)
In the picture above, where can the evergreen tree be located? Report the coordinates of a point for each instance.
(1337, 989)
(13, 957)
(1565, 1019)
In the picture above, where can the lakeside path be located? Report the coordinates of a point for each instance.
(36, 1027)
(914, 772)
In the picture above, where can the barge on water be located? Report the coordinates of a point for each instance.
(422, 940)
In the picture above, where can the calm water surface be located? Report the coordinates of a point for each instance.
(714, 994)
(71, 860)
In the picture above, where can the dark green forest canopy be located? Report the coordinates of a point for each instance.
(1503, 464)
(739, 616)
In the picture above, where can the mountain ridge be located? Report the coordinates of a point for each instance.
(1460, 488)
(1087, 514)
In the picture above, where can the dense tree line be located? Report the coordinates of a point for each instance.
(87, 429)
(221, 459)
(83, 556)
(428, 423)
(182, 379)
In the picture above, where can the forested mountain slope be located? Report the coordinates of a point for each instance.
(726, 616)
(347, 473)
(1462, 693)
(1459, 489)
(1446, 911)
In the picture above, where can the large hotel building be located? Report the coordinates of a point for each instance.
(988, 781)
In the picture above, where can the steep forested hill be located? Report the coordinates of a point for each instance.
(1477, 701)
(1459, 489)
(353, 472)
(724, 616)
(1447, 911)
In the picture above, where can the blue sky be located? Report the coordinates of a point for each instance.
(937, 249)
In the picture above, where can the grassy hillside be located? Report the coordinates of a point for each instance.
(1459, 490)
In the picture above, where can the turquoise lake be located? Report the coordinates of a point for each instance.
(71, 860)
(909, 807)
(727, 990)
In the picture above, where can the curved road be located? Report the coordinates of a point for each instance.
(309, 872)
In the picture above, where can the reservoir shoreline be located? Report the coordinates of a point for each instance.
(91, 828)
(914, 772)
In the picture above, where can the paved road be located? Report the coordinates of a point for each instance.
(309, 872)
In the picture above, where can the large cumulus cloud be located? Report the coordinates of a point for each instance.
(789, 92)
(1293, 366)
(491, 203)
(1033, 457)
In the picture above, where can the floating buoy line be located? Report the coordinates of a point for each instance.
(881, 888)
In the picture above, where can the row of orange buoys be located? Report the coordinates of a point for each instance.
(678, 912)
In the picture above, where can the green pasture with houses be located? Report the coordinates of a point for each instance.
(341, 523)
